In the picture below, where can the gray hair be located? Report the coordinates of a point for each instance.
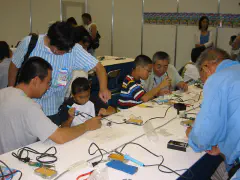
(212, 55)
(160, 55)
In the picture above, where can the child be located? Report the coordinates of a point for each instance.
(83, 107)
(132, 92)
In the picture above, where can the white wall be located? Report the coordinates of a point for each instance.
(159, 37)
(14, 20)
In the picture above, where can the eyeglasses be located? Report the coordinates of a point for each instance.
(149, 71)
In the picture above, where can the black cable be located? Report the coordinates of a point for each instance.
(39, 158)
(81, 113)
(159, 116)
(161, 163)
(2, 176)
(98, 150)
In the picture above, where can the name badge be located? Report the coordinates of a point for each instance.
(62, 77)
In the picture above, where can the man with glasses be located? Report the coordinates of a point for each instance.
(217, 125)
(161, 70)
(59, 49)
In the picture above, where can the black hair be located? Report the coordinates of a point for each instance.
(61, 36)
(35, 66)
(142, 60)
(160, 55)
(87, 16)
(196, 52)
(80, 84)
(233, 38)
(200, 22)
(72, 21)
(4, 50)
(81, 34)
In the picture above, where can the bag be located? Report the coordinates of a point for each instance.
(31, 46)
(95, 43)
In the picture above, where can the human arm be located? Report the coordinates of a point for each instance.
(153, 92)
(106, 112)
(65, 134)
(94, 31)
(209, 127)
(210, 40)
(17, 60)
(71, 115)
(182, 85)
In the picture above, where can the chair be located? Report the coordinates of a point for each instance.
(113, 80)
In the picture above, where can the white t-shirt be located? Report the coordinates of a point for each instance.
(22, 121)
(191, 73)
(87, 108)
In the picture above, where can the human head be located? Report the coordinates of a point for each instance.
(87, 19)
(82, 37)
(160, 63)
(203, 23)
(5, 51)
(72, 21)
(37, 74)
(81, 90)
(196, 52)
(209, 60)
(143, 66)
(61, 38)
(232, 39)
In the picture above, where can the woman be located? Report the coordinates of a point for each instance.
(203, 37)
(5, 59)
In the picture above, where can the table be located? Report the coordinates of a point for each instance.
(111, 138)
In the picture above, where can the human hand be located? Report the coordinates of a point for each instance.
(102, 112)
(214, 152)
(166, 82)
(164, 92)
(189, 129)
(93, 123)
(105, 95)
(182, 85)
(71, 112)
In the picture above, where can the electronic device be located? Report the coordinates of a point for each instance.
(176, 145)
(45, 173)
(118, 165)
(187, 123)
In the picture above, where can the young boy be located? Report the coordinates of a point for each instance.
(132, 92)
(81, 107)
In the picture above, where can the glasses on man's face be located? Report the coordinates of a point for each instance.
(161, 66)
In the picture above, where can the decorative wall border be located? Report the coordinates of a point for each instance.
(191, 19)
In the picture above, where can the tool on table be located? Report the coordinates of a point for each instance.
(176, 145)
(135, 120)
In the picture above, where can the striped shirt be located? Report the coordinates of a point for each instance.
(77, 59)
(131, 93)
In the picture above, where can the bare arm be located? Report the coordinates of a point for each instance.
(12, 74)
(150, 94)
(65, 134)
(94, 31)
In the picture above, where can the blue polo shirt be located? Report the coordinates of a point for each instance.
(77, 59)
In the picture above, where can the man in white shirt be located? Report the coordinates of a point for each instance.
(190, 71)
(162, 69)
(92, 30)
(22, 119)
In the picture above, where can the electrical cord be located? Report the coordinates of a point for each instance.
(26, 159)
(2, 176)
(98, 150)
(159, 117)
(161, 163)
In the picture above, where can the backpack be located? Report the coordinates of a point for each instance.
(96, 42)
(31, 46)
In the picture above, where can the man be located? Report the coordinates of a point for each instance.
(59, 49)
(236, 46)
(161, 70)
(91, 28)
(22, 120)
(5, 59)
(217, 126)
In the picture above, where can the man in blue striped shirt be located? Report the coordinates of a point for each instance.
(59, 49)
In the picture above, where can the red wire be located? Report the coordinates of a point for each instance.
(82, 175)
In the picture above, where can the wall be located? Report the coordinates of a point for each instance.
(127, 24)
